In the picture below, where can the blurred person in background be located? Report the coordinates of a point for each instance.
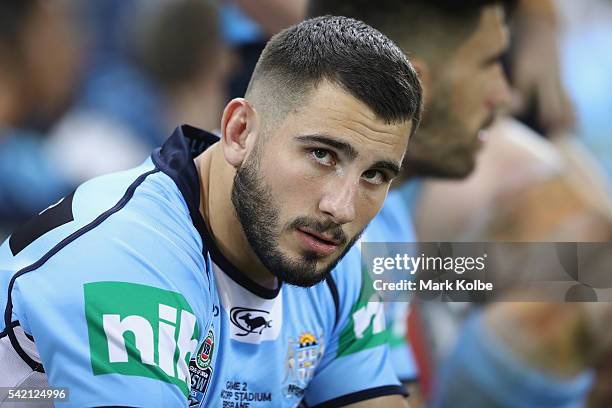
(247, 25)
(548, 191)
(180, 49)
(540, 99)
(524, 188)
(443, 162)
(40, 53)
(117, 87)
(40, 62)
(171, 68)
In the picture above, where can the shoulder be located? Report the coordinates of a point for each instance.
(129, 227)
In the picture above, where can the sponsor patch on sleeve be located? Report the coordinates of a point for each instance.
(140, 330)
(366, 325)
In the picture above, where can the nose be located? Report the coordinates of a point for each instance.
(339, 201)
(499, 94)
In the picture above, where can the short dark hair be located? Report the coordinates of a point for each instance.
(420, 21)
(346, 52)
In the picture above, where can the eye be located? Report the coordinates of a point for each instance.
(323, 157)
(375, 177)
(493, 61)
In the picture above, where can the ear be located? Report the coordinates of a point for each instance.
(239, 127)
(422, 68)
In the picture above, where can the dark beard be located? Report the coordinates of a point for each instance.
(259, 217)
(434, 151)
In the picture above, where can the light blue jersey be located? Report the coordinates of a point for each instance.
(394, 224)
(119, 293)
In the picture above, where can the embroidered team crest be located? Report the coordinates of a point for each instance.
(206, 350)
(201, 371)
(303, 356)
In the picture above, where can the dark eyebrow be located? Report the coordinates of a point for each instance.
(350, 152)
(387, 165)
(343, 147)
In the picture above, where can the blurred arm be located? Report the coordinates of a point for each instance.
(536, 65)
(559, 339)
(518, 355)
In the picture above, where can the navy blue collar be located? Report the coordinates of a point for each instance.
(175, 158)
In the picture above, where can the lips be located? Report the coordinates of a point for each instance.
(315, 242)
(319, 236)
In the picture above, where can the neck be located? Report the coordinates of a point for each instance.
(218, 211)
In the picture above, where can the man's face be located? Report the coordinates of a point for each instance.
(311, 185)
(466, 90)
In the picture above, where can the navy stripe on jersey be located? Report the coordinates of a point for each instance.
(363, 396)
(39, 225)
(8, 312)
(235, 274)
(175, 159)
(333, 288)
(12, 325)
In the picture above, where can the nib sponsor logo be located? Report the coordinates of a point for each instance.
(140, 330)
(366, 328)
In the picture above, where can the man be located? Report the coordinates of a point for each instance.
(456, 47)
(218, 246)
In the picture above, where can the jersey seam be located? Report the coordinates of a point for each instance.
(8, 311)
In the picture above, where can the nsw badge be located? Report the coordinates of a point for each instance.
(201, 370)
